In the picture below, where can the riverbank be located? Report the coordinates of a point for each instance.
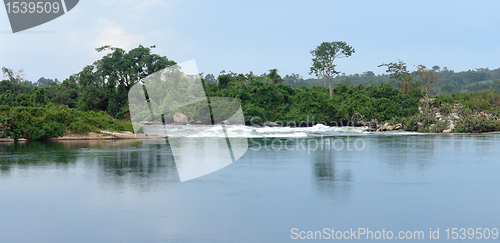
(378, 107)
(102, 135)
(106, 135)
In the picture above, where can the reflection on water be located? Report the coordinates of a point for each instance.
(135, 163)
(120, 161)
(331, 169)
(130, 191)
(332, 181)
(26, 155)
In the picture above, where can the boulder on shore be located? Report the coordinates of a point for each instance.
(450, 127)
(180, 119)
(398, 127)
(388, 127)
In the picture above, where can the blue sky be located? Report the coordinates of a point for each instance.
(243, 36)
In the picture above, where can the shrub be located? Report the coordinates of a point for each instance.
(477, 124)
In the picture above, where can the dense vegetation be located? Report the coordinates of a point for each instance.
(266, 98)
(92, 100)
(42, 122)
(96, 98)
(478, 112)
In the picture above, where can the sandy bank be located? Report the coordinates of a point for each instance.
(106, 135)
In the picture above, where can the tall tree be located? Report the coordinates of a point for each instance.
(427, 77)
(127, 68)
(14, 77)
(113, 75)
(399, 71)
(323, 60)
(274, 76)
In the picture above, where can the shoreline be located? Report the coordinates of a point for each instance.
(107, 135)
(92, 136)
(126, 135)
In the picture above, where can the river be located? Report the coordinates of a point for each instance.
(130, 191)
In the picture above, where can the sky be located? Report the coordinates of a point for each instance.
(244, 36)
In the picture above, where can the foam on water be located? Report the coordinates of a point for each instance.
(202, 131)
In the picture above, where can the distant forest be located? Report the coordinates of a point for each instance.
(449, 82)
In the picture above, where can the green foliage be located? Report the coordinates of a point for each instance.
(274, 76)
(65, 93)
(266, 101)
(480, 101)
(478, 112)
(39, 97)
(436, 127)
(417, 122)
(105, 83)
(4, 121)
(472, 124)
(88, 101)
(38, 123)
(477, 124)
(398, 71)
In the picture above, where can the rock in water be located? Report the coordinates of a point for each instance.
(271, 124)
(180, 119)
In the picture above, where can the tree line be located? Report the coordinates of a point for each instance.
(97, 97)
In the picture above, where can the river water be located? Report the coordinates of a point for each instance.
(130, 191)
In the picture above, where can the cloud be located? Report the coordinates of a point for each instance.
(111, 34)
(104, 32)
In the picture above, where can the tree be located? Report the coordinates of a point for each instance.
(65, 93)
(210, 79)
(427, 77)
(14, 77)
(323, 59)
(45, 82)
(39, 97)
(127, 68)
(369, 74)
(398, 71)
(107, 81)
(274, 76)
(92, 90)
(225, 78)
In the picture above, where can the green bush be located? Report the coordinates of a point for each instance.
(477, 124)
(38, 123)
